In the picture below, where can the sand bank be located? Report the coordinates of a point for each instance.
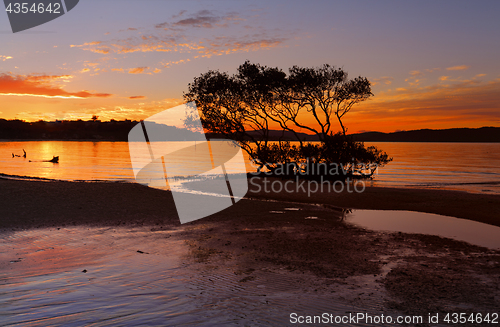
(27, 204)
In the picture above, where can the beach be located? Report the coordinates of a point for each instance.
(302, 240)
(28, 204)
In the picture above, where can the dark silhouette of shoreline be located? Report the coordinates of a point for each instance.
(79, 130)
(459, 135)
(462, 135)
(96, 130)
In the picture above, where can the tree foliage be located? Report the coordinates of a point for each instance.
(244, 106)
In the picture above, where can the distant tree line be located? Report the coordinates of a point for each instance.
(66, 130)
(85, 130)
(94, 129)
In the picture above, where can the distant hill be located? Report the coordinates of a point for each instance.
(483, 134)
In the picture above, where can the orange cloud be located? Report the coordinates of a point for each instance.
(462, 67)
(138, 70)
(169, 43)
(3, 58)
(386, 80)
(49, 78)
(227, 46)
(134, 97)
(175, 39)
(39, 86)
(89, 43)
(170, 63)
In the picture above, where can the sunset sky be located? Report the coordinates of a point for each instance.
(433, 64)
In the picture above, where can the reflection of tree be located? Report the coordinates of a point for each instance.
(243, 106)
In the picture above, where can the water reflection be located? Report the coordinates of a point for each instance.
(459, 166)
(471, 167)
(78, 160)
(119, 277)
(426, 223)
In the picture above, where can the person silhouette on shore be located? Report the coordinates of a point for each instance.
(24, 154)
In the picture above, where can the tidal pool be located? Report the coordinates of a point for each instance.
(426, 223)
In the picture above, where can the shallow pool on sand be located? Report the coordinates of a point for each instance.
(426, 223)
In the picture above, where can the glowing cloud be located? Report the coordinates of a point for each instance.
(40, 86)
(171, 37)
(138, 70)
(170, 63)
(3, 58)
(385, 80)
(462, 67)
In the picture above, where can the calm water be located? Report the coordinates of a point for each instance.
(472, 167)
(425, 223)
(78, 160)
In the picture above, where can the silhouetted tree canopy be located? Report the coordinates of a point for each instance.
(244, 106)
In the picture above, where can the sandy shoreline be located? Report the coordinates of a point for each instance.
(25, 204)
(406, 273)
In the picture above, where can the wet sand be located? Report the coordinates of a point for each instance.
(26, 204)
(265, 254)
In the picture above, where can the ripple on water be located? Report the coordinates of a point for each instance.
(96, 277)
